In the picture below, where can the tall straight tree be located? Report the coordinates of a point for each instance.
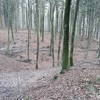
(60, 35)
(65, 55)
(42, 12)
(73, 33)
(28, 28)
(37, 30)
(52, 8)
(9, 10)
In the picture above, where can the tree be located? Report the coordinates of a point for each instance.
(73, 33)
(42, 7)
(37, 30)
(52, 8)
(65, 55)
(60, 32)
(9, 10)
(29, 31)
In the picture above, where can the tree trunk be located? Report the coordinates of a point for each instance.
(73, 34)
(65, 55)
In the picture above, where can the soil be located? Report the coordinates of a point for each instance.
(20, 80)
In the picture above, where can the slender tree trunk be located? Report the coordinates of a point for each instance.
(37, 31)
(56, 23)
(42, 20)
(60, 37)
(73, 34)
(8, 46)
(52, 33)
(12, 32)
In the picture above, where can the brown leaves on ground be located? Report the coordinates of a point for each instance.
(75, 84)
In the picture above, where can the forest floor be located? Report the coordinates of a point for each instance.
(19, 79)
